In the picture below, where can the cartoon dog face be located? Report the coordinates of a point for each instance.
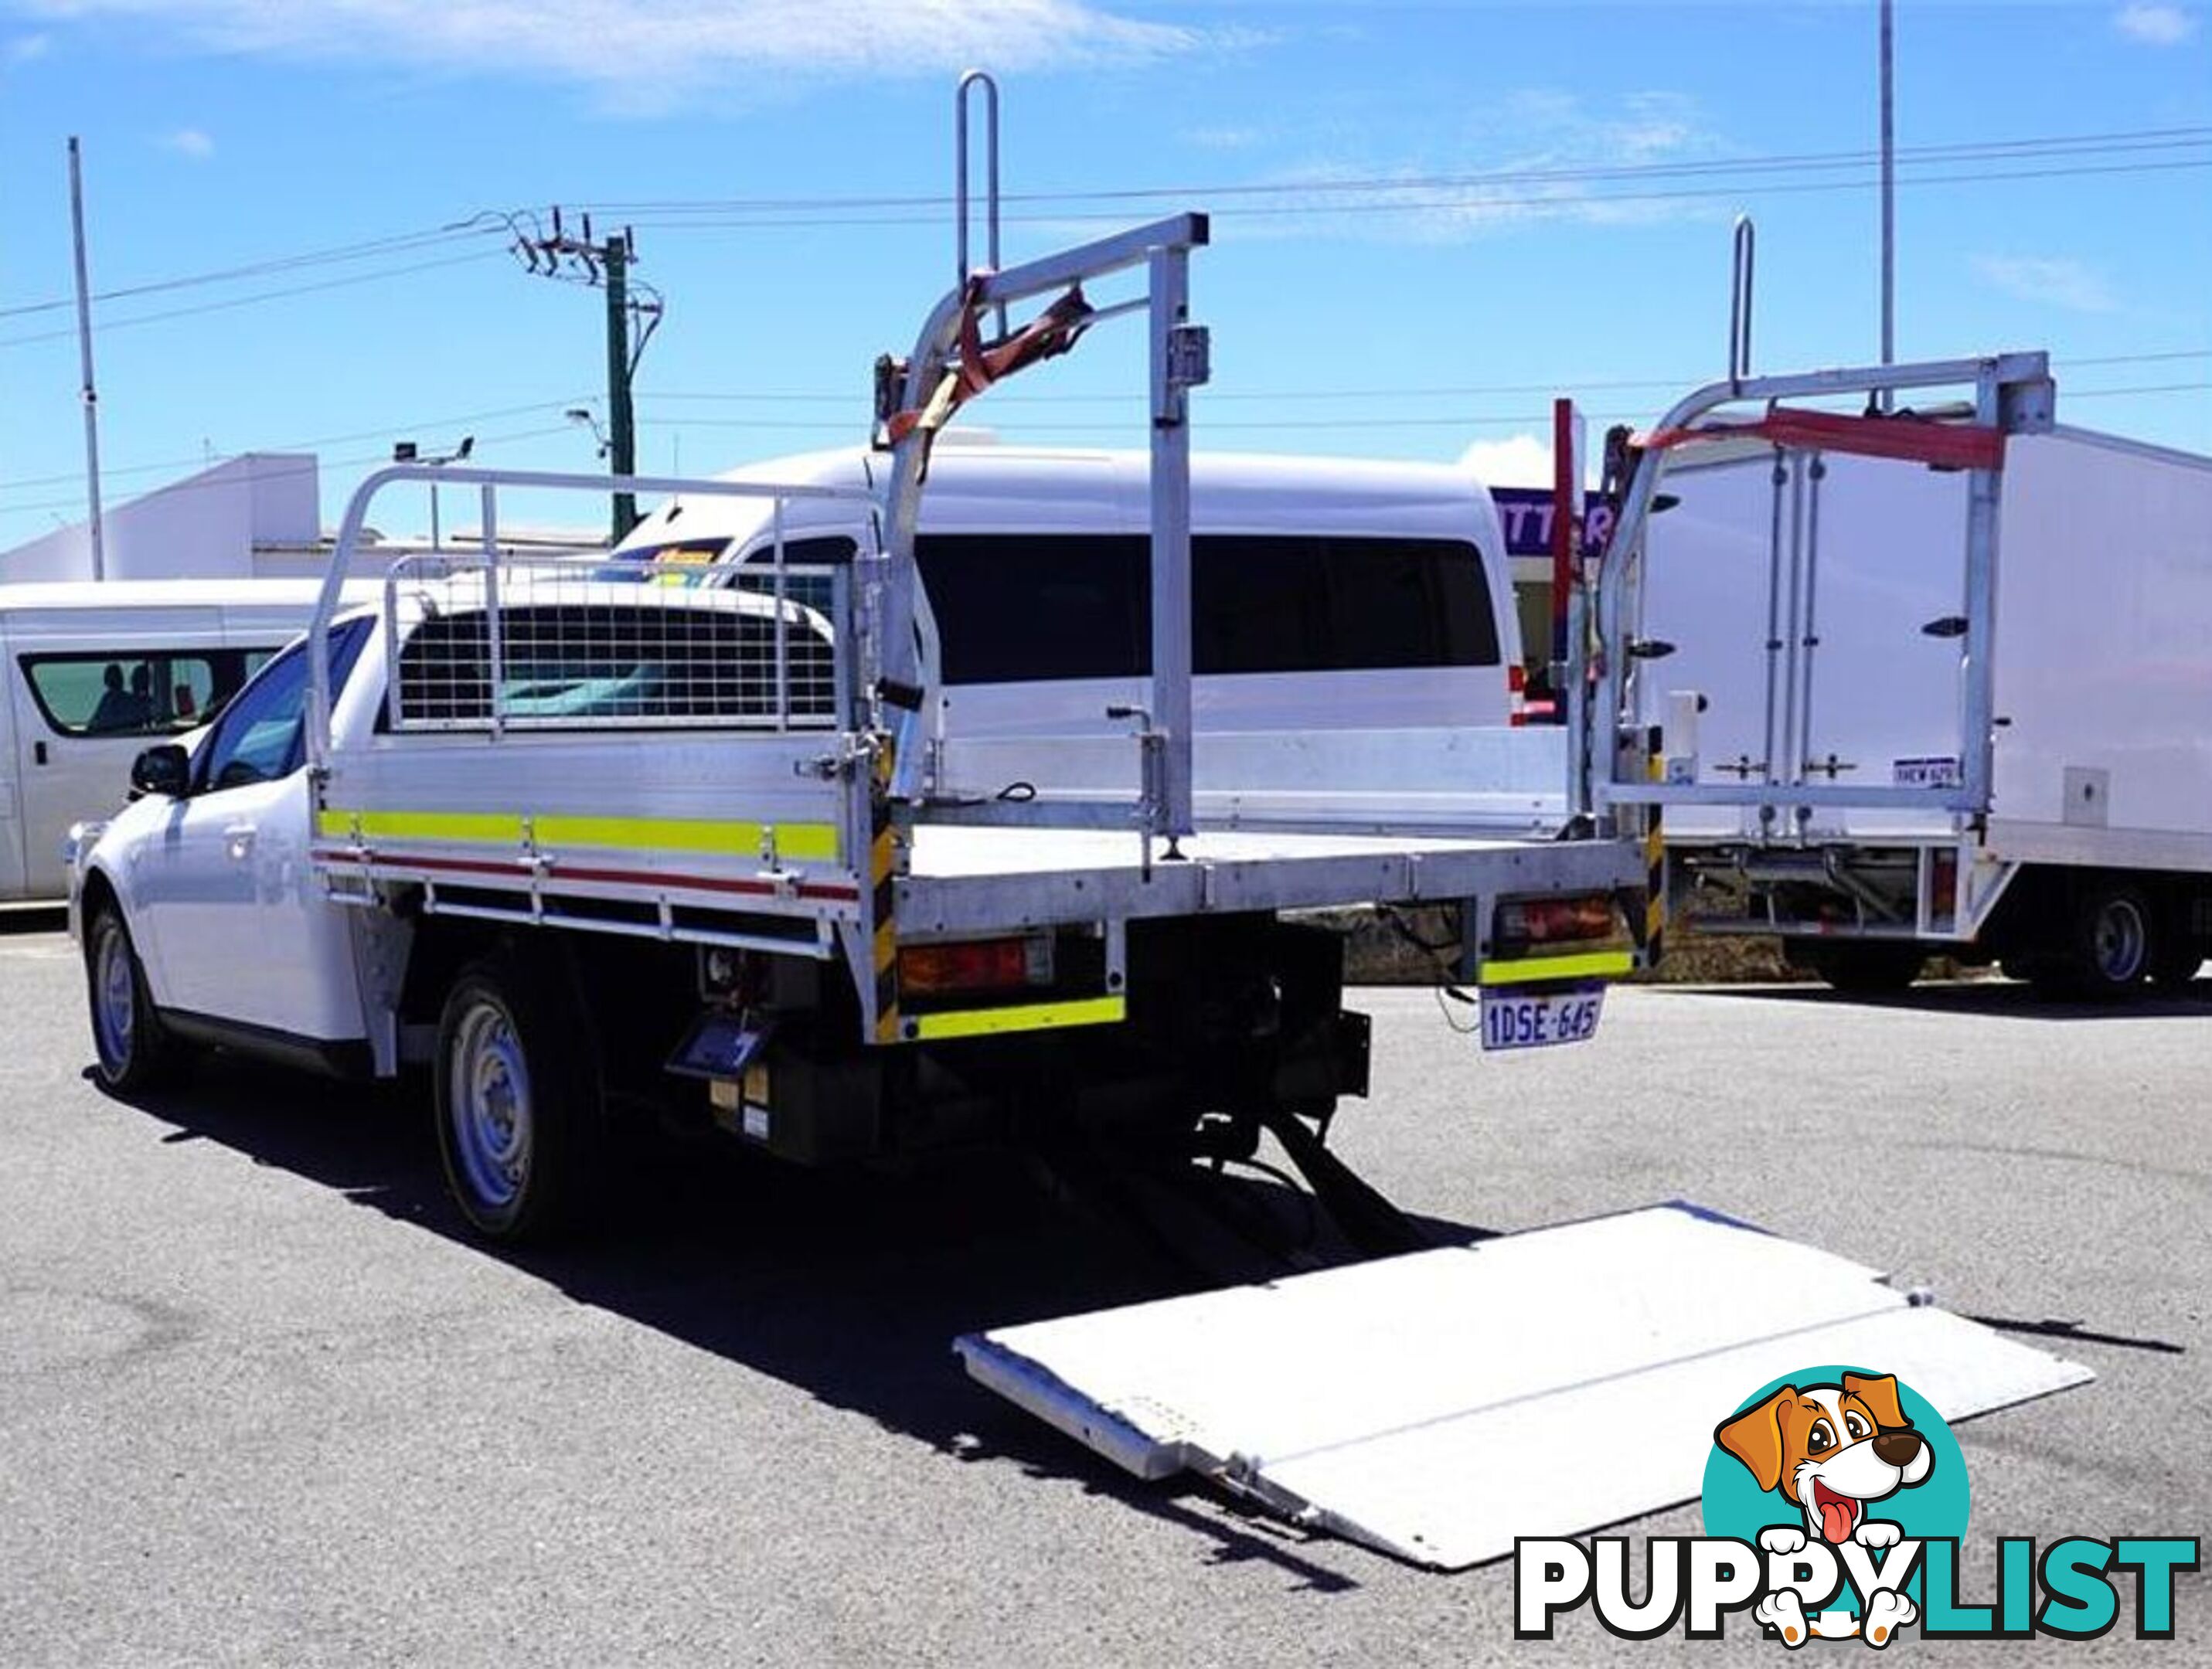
(1830, 1449)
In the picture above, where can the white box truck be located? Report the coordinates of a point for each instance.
(1928, 685)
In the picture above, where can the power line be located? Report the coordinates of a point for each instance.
(385, 245)
(303, 469)
(1404, 204)
(264, 295)
(2147, 139)
(1213, 396)
(382, 429)
(1522, 419)
(807, 210)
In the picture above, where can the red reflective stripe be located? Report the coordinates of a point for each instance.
(575, 872)
(1916, 439)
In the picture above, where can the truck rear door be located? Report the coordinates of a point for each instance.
(1812, 599)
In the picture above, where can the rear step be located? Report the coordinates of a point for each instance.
(1436, 1404)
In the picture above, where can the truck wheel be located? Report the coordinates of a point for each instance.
(2113, 948)
(132, 1050)
(1866, 969)
(515, 1101)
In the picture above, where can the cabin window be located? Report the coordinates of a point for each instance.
(1016, 608)
(141, 692)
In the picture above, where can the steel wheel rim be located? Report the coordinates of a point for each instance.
(2120, 941)
(490, 1101)
(115, 999)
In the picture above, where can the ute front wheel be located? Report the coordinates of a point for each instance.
(516, 1102)
(132, 1050)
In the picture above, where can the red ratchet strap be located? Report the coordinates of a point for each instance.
(1052, 332)
(1944, 446)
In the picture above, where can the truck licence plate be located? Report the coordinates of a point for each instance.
(1517, 1018)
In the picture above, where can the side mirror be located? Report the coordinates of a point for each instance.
(165, 770)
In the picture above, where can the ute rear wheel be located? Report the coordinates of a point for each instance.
(132, 1050)
(516, 1101)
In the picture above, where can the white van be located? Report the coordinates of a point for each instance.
(1333, 601)
(92, 671)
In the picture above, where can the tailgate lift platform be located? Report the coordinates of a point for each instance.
(1439, 1405)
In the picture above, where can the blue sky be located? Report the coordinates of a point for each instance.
(1426, 213)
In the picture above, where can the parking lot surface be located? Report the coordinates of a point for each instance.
(261, 1402)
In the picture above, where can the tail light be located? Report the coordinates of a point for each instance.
(975, 965)
(1943, 883)
(1526, 923)
(1516, 693)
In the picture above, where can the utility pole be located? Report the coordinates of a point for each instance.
(1888, 201)
(622, 420)
(605, 265)
(90, 391)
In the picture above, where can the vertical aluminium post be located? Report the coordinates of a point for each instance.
(1171, 702)
(1984, 490)
(90, 390)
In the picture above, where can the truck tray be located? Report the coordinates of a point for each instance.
(1439, 1405)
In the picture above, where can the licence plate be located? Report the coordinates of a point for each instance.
(1517, 1018)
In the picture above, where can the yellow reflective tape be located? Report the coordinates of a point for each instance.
(800, 840)
(1026, 1017)
(1590, 965)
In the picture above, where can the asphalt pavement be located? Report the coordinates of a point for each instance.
(261, 1402)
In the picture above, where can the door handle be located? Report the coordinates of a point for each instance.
(238, 841)
(37, 753)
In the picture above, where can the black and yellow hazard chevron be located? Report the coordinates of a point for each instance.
(1655, 868)
(883, 868)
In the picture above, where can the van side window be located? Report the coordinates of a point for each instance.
(261, 736)
(138, 692)
(1016, 608)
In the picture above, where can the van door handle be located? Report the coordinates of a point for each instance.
(37, 753)
(238, 841)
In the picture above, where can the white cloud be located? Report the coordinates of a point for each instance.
(2154, 25)
(1519, 460)
(646, 54)
(1535, 154)
(2055, 280)
(189, 142)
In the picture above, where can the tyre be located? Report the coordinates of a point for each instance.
(132, 1050)
(2111, 947)
(1866, 968)
(516, 1102)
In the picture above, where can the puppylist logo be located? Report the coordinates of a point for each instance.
(1835, 1502)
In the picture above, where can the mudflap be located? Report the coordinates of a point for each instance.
(1436, 1404)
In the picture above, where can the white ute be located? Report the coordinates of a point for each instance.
(585, 836)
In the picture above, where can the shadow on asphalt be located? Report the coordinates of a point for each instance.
(2003, 998)
(22, 919)
(849, 1285)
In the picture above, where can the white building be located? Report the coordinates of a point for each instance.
(255, 516)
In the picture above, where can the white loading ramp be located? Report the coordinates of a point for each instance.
(1437, 1405)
